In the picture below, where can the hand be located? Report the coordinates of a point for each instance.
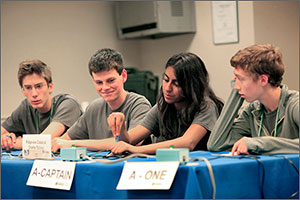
(8, 140)
(121, 146)
(58, 143)
(240, 147)
(116, 122)
(18, 143)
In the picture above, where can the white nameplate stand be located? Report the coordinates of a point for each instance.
(36, 146)
(52, 174)
(147, 175)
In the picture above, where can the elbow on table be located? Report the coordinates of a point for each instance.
(212, 147)
(217, 148)
(191, 145)
(191, 148)
(186, 142)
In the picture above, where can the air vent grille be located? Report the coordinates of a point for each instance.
(176, 8)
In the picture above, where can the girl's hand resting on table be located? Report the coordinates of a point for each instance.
(121, 147)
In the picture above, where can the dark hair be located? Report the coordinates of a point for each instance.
(261, 59)
(29, 67)
(193, 79)
(106, 59)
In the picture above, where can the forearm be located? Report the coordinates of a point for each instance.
(221, 133)
(55, 129)
(124, 136)
(272, 145)
(65, 136)
(94, 145)
(136, 135)
(180, 142)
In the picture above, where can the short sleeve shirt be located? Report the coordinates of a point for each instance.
(93, 123)
(206, 118)
(24, 119)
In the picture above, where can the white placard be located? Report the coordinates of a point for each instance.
(36, 146)
(225, 154)
(225, 21)
(52, 174)
(147, 175)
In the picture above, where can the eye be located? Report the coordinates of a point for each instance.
(237, 78)
(27, 87)
(38, 86)
(166, 79)
(241, 78)
(98, 82)
(176, 84)
(111, 80)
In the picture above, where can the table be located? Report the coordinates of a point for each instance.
(237, 177)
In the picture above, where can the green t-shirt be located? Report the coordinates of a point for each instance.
(93, 123)
(206, 118)
(23, 120)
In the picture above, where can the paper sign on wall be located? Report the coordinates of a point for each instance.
(225, 21)
(36, 146)
(147, 175)
(52, 174)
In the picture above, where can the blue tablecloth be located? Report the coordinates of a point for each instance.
(237, 177)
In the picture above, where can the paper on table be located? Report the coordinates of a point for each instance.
(225, 154)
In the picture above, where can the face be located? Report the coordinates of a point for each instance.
(37, 92)
(109, 84)
(172, 91)
(248, 88)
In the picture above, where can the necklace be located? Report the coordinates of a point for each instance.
(38, 117)
(276, 120)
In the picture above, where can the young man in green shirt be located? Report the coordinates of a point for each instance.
(40, 112)
(92, 130)
(270, 123)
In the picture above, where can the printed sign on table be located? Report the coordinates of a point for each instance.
(147, 175)
(36, 146)
(52, 174)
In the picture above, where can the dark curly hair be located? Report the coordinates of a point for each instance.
(106, 59)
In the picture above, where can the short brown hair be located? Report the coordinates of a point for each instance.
(29, 67)
(261, 59)
(106, 59)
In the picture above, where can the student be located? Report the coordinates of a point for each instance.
(184, 115)
(91, 130)
(40, 112)
(270, 123)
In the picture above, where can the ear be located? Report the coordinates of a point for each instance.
(23, 92)
(50, 86)
(124, 75)
(264, 79)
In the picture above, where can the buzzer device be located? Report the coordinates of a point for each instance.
(173, 154)
(73, 153)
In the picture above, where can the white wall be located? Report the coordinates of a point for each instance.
(62, 34)
(278, 23)
(65, 34)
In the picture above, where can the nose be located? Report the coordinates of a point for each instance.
(168, 87)
(237, 84)
(34, 92)
(105, 86)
